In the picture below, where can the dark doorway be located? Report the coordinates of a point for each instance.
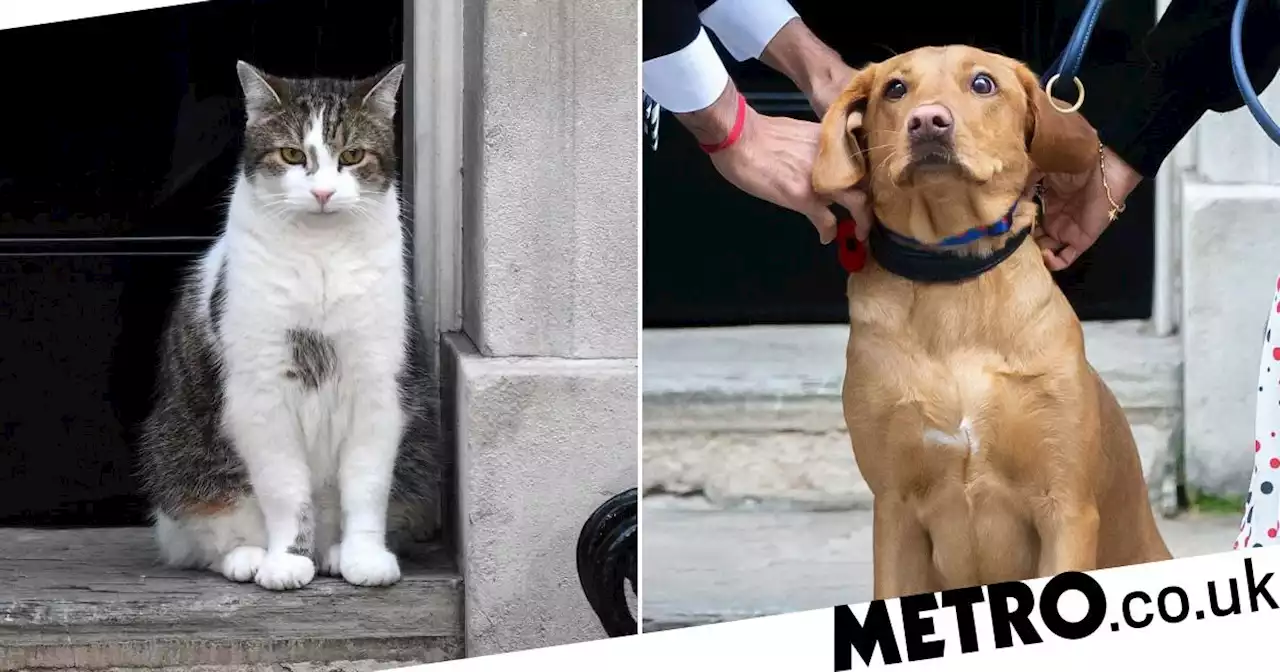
(118, 164)
(714, 256)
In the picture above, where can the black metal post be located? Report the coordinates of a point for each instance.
(607, 561)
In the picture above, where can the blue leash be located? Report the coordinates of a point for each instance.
(1242, 76)
(1068, 64)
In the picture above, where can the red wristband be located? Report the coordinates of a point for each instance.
(734, 133)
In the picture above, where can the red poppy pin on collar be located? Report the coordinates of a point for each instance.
(853, 254)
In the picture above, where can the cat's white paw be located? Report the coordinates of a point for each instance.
(285, 571)
(368, 565)
(242, 563)
(331, 561)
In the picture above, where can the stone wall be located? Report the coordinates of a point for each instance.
(1227, 202)
(543, 376)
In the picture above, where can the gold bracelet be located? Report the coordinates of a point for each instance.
(1116, 209)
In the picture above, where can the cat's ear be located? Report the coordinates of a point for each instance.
(261, 91)
(379, 92)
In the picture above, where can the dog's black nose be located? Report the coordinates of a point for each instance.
(930, 122)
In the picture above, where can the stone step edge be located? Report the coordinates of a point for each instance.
(708, 375)
(773, 468)
(813, 413)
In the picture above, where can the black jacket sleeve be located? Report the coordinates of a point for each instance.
(669, 25)
(1181, 70)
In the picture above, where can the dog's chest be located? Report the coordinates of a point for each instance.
(954, 387)
(955, 398)
(949, 415)
(964, 437)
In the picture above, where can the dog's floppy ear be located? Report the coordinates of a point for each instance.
(840, 164)
(1058, 142)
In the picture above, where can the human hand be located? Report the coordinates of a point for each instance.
(823, 91)
(815, 68)
(1077, 209)
(772, 159)
(821, 75)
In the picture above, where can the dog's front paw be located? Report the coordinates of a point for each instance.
(368, 565)
(285, 571)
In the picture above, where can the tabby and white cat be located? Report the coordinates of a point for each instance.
(292, 430)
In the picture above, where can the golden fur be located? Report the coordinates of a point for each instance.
(993, 449)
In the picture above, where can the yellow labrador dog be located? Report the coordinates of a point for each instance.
(993, 449)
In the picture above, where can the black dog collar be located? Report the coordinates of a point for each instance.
(914, 261)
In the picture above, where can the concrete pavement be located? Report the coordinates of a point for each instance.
(705, 564)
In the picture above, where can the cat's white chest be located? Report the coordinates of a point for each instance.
(333, 288)
(317, 323)
(322, 286)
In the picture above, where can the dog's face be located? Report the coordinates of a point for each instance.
(946, 114)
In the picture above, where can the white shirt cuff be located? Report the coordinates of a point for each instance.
(745, 27)
(687, 80)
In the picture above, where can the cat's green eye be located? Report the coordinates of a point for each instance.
(292, 156)
(351, 157)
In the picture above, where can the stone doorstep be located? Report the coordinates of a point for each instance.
(95, 599)
(753, 414)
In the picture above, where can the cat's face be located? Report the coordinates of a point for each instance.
(319, 147)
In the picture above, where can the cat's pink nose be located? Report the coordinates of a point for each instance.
(322, 195)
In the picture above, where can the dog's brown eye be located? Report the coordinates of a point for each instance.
(982, 85)
(895, 89)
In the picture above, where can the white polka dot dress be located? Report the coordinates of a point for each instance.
(1261, 522)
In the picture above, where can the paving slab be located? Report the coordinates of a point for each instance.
(702, 564)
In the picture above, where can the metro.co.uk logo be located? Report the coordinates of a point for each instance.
(1010, 609)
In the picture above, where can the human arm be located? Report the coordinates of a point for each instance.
(1187, 73)
(771, 31)
(1181, 69)
(772, 157)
